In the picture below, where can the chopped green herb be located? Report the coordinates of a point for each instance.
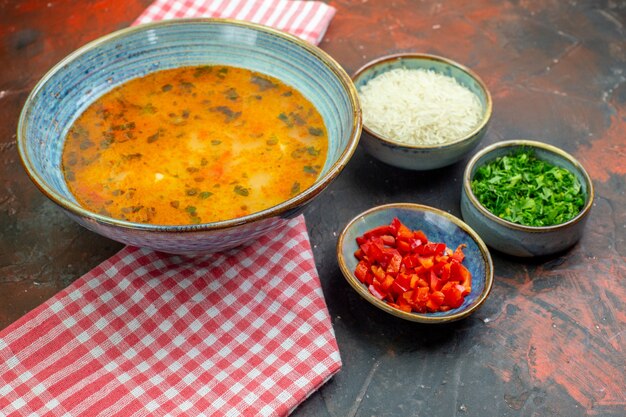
(523, 189)
(191, 210)
(175, 204)
(231, 94)
(241, 190)
(310, 170)
(312, 151)
(106, 142)
(86, 144)
(187, 86)
(103, 113)
(131, 209)
(273, 140)
(205, 194)
(295, 188)
(166, 88)
(297, 119)
(191, 191)
(284, 118)
(88, 161)
(200, 71)
(148, 109)
(316, 131)
(215, 142)
(79, 131)
(72, 159)
(124, 126)
(262, 83)
(221, 73)
(154, 138)
(131, 156)
(228, 112)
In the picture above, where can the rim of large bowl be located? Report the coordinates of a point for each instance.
(270, 212)
(409, 55)
(517, 143)
(417, 317)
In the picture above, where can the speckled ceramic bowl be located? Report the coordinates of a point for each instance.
(438, 226)
(515, 239)
(79, 79)
(424, 157)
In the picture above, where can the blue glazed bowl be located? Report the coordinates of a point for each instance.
(424, 157)
(79, 79)
(515, 239)
(438, 226)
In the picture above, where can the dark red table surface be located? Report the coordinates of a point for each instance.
(550, 339)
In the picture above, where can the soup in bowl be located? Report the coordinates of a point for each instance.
(189, 136)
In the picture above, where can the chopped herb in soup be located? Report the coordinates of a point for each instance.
(194, 145)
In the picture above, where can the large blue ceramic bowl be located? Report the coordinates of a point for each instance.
(516, 239)
(78, 80)
(438, 226)
(424, 157)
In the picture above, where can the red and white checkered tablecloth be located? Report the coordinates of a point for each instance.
(240, 333)
(305, 19)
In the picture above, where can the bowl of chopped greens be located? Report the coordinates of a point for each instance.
(526, 198)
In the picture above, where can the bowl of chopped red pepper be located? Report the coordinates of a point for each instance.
(416, 262)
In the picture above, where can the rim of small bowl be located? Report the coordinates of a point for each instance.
(270, 212)
(417, 317)
(516, 143)
(417, 55)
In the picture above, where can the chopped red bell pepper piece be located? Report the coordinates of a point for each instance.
(404, 233)
(376, 292)
(458, 254)
(401, 267)
(388, 240)
(378, 272)
(394, 264)
(386, 283)
(397, 288)
(361, 270)
(403, 246)
(426, 261)
(437, 297)
(377, 231)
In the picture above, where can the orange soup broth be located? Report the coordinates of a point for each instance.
(194, 145)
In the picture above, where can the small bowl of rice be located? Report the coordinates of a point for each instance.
(421, 111)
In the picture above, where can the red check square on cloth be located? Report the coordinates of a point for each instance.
(240, 333)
